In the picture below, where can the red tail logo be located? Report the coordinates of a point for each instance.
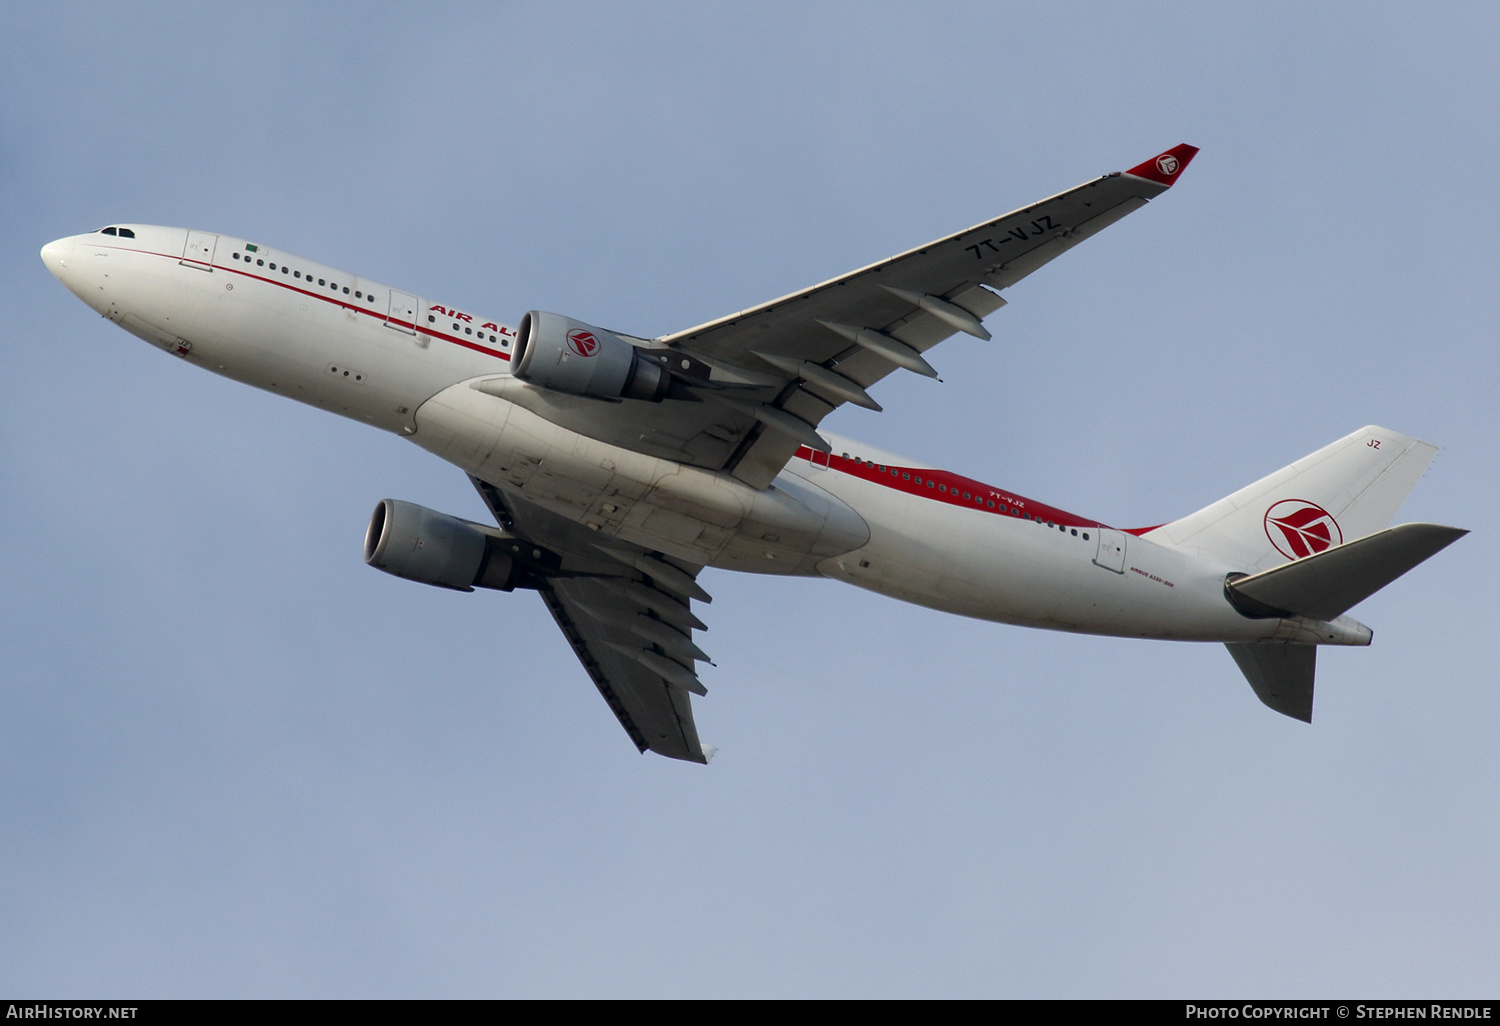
(1300, 528)
(583, 342)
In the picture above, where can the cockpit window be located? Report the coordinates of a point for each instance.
(107, 231)
(126, 233)
(123, 233)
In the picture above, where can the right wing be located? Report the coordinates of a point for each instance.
(628, 616)
(597, 620)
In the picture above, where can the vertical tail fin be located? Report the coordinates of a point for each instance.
(1288, 533)
(1341, 492)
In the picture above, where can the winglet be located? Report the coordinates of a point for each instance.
(1164, 168)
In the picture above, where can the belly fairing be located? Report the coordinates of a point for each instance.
(698, 515)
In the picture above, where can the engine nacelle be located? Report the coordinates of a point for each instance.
(421, 544)
(559, 353)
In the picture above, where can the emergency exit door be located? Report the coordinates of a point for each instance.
(1111, 554)
(199, 251)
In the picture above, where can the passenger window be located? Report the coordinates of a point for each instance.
(322, 282)
(260, 263)
(296, 274)
(236, 256)
(346, 290)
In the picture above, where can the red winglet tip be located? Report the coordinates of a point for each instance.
(1164, 168)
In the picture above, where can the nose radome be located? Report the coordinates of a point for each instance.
(55, 256)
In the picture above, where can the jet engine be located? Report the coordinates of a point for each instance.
(421, 544)
(557, 352)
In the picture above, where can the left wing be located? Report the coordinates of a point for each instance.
(749, 389)
(627, 614)
(830, 342)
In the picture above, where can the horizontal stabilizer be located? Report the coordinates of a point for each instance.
(1324, 585)
(1280, 673)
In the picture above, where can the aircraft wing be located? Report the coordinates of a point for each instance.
(627, 614)
(815, 349)
(656, 713)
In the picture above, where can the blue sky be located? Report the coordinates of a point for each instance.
(235, 761)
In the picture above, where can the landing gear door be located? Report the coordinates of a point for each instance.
(199, 251)
(403, 313)
(1111, 555)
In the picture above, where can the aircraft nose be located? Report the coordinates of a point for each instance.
(55, 255)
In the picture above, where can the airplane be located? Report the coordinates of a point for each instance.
(617, 467)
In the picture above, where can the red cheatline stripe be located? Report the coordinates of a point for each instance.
(914, 481)
(327, 299)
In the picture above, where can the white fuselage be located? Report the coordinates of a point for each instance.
(406, 364)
